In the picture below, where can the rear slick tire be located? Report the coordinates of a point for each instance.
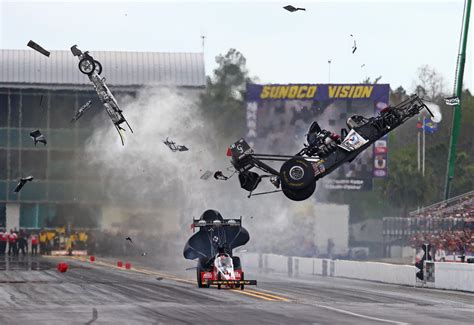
(299, 195)
(296, 174)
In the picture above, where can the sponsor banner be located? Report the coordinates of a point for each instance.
(381, 157)
(353, 141)
(317, 92)
(380, 168)
(279, 116)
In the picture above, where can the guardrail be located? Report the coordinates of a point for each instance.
(451, 276)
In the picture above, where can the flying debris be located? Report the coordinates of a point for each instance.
(173, 146)
(41, 101)
(290, 8)
(38, 137)
(144, 254)
(220, 176)
(206, 175)
(92, 68)
(452, 101)
(363, 65)
(159, 278)
(38, 48)
(129, 239)
(81, 111)
(22, 183)
(354, 46)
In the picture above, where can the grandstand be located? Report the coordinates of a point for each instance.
(447, 225)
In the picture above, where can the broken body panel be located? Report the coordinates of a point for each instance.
(93, 69)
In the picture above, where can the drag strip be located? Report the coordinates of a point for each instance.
(248, 292)
(100, 292)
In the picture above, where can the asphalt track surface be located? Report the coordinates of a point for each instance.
(32, 291)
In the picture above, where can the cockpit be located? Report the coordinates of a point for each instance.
(224, 265)
(356, 121)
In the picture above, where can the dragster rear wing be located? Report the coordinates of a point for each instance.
(216, 223)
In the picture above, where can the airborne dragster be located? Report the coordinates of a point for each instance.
(324, 152)
(212, 247)
(92, 68)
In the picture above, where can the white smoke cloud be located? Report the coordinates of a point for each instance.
(145, 175)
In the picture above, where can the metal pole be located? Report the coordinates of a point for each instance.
(423, 149)
(418, 150)
(456, 124)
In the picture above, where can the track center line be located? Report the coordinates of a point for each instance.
(252, 293)
(342, 311)
(267, 295)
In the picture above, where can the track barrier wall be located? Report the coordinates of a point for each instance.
(450, 276)
(454, 276)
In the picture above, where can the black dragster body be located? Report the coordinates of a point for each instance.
(324, 152)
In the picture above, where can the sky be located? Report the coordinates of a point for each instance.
(394, 38)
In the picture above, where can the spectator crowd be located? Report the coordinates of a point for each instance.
(16, 242)
(448, 226)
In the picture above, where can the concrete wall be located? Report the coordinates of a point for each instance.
(452, 276)
(381, 272)
(13, 216)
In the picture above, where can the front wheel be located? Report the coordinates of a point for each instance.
(198, 276)
(87, 66)
(98, 67)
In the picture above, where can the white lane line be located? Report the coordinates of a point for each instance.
(342, 311)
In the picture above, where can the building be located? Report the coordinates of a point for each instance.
(37, 92)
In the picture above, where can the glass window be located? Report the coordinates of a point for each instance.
(34, 162)
(86, 171)
(3, 191)
(3, 164)
(3, 138)
(62, 110)
(32, 114)
(89, 191)
(34, 191)
(12, 196)
(15, 110)
(61, 139)
(61, 165)
(61, 191)
(47, 213)
(83, 136)
(29, 215)
(14, 137)
(3, 110)
(14, 165)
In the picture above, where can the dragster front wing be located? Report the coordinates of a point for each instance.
(232, 282)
